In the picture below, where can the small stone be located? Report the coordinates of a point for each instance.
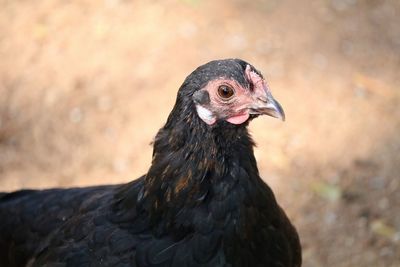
(120, 165)
(383, 203)
(75, 115)
(188, 30)
(342, 5)
(104, 103)
(237, 42)
(320, 61)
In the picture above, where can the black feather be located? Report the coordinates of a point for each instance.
(202, 203)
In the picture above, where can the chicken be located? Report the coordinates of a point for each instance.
(201, 203)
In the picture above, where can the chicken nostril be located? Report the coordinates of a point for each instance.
(263, 99)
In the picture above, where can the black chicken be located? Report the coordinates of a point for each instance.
(202, 202)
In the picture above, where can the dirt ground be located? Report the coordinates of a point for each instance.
(84, 86)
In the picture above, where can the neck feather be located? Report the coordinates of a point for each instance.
(191, 161)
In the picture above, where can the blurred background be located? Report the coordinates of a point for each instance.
(86, 84)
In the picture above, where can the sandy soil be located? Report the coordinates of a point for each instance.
(84, 86)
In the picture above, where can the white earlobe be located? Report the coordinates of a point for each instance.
(206, 115)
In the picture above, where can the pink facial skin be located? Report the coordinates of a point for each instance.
(235, 110)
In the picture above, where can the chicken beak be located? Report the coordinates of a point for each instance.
(267, 105)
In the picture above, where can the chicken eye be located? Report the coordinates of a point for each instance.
(225, 91)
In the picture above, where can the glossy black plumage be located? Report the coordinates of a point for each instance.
(202, 203)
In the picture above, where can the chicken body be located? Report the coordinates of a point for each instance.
(202, 202)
